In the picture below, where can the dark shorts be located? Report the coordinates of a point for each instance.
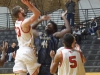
(44, 70)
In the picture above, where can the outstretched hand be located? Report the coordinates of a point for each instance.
(63, 14)
(26, 2)
(45, 17)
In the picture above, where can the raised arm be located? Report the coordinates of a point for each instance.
(43, 18)
(34, 17)
(3, 56)
(66, 30)
(55, 62)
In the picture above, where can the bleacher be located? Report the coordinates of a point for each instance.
(91, 50)
(8, 35)
(7, 68)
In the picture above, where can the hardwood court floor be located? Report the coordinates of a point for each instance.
(93, 73)
(86, 74)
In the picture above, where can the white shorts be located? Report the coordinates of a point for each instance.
(25, 61)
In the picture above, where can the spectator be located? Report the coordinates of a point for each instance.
(82, 28)
(70, 5)
(14, 53)
(93, 26)
(98, 32)
(3, 55)
(6, 42)
(77, 34)
(11, 49)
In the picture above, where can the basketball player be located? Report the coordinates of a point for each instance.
(68, 61)
(48, 41)
(25, 59)
(3, 55)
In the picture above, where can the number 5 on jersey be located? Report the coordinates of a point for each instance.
(72, 60)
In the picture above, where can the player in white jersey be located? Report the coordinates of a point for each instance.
(25, 59)
(68, 60)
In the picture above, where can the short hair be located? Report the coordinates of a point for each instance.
(15, 11)
(68, 39)
(54, 25)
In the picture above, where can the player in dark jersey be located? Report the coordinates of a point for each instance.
(48, 41)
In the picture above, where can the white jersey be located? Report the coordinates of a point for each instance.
(24, 38)
(71, 63)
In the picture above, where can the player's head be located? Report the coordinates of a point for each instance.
(18, 12)
(51, 27)
(69, 41)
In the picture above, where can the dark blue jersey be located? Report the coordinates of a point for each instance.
(45, 43)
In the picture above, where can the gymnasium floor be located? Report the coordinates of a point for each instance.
(93, 73)
(86, 74)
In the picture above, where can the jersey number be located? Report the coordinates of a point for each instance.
(73, 61)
